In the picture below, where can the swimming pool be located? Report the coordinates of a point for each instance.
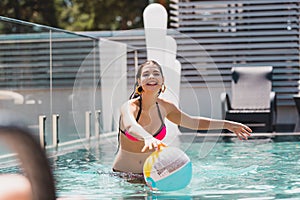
(254, 169)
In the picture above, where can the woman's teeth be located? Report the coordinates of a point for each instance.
(152, 83)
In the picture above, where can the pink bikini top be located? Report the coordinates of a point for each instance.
(160, 134)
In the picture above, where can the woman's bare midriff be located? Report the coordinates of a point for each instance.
(129, 157)
(132, 146)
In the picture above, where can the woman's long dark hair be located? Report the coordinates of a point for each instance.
(138, 88)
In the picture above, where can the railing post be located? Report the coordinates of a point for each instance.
(97, 122)
(42, 119)
(87, 124)
(136, 60)
(55, 130)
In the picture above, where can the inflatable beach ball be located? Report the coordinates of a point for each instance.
(168, 169)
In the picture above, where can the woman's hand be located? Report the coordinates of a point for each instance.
(152, 143)
(242, 131)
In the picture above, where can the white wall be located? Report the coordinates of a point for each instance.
(113, 70)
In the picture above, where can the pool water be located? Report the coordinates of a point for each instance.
(239, 170)
(254, 169)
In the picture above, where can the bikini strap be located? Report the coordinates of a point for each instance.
(159, 113)
(120, 130)
(140, 110)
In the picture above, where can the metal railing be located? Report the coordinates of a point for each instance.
(56, 134)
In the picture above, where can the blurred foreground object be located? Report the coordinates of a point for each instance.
(32, 158)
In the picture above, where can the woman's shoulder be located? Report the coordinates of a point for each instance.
(168, 105)
(164, 101)
(131, 103)
(134, 101)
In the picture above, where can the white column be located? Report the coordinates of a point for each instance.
(113, 67)
(163, 48)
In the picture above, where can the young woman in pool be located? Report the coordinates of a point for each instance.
(142, 120)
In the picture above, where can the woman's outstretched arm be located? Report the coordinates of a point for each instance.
(175, 115)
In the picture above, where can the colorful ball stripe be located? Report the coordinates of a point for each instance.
(168, 169)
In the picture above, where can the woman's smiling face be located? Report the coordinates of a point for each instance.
(151, 78)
